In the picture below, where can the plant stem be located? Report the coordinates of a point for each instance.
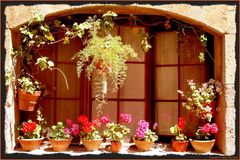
(66, 82)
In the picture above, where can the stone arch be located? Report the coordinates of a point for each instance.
(218, 20)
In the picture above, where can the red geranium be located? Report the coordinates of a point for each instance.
(28, 127)
(82, 119)
(87, 127)
(181, 122)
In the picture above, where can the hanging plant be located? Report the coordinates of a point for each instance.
(104, 56)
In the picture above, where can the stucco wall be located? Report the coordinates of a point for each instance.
(216, 19)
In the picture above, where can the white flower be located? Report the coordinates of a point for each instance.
(50, 64)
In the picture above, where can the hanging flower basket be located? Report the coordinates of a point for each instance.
(27, 101)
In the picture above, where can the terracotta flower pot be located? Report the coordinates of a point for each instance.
(179, 146)
(203, 146)
(92, 145)
(60, 145)
(143, 145)
(30, 144)
(116, 146)
(27, 101)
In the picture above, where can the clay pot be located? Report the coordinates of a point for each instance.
(143, 145)
(203, 146)
(30, 144)
(179, 146)
(92, 145)
(60, 145)
(27, 101)
(116, 146)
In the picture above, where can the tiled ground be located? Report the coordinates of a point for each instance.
(160, 149)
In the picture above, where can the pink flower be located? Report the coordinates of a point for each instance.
(105, 119)
(125, 118)
(96, 123)
(75, 129)
(140, 132)
(206, 128)
(143, 124)
(69, 122)
(214, 128)
(155, 125)
(67, 130)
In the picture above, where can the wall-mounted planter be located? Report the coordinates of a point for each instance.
(27, 101)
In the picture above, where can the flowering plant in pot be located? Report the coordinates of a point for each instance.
(61, 134)
(91, 137)
(117, 131)
(200, 99)
(32, 132)
(180, 142)
(144, 137)
(205, 140)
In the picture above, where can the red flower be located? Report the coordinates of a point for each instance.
(82, 119)
(28, 127)
(87, 127)
(181, 122)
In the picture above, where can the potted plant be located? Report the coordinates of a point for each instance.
(144, 137)
(104, 55)
(180, 142)
(117, 131)
(205, 140)
(90, 136)
(200, 102)
(32, 133)
(61, 135)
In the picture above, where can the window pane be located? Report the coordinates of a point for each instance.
(67, 109)
(166, 51)
(166, 83)
(137, 111)
(189, 48)
(48, 110)
(73, 81)
(134, 87)
(131, 35)
(166, 114)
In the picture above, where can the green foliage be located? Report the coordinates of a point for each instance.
(203, 40)
(26, 84)
(179, 136)
(43, 63)
(41, 120)
(116, 132)
(201, 57)
(93, 135)
(9, 77)
(57, 132)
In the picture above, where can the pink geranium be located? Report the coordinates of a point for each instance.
(206, 128)
(125, 118)
(207, 131)
(214, 128)
(105, 119)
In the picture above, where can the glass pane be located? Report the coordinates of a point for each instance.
(166, 114)
(166, 51)
(48, 110)
(131, 35)
(109, 109)
(137, 111)
(134, 87)
(166, 83)
(66, 52)
(67, 109)
(189, 48)
(73, 81)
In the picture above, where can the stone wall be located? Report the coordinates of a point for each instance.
(217, 19)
